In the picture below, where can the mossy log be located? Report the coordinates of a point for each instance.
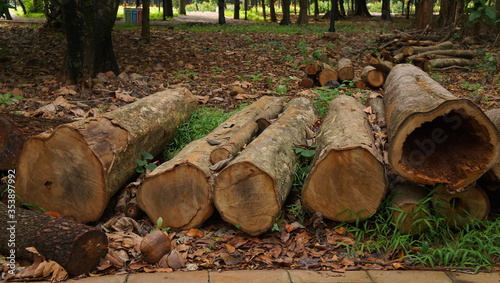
(435, 137)
(251, 190)
(76, 169)
(410, 208)
(347, 179)
(180, 191)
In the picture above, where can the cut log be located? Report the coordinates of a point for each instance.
(400, 57)
(347, 179)
(448, 62)
(377, 105)
(76, 247)
(345, 69)
(463, 207)
(435, 137)
(327, 74)
(467, 54)
(359, 83)
(15, 130)
(410, 208)
(494, 173)
(181, 189)
(411, 50)
(307, 82)
(422, 63)
(244, 135)
(379, 64)
(313, 69)
(372, 77)
(76, 169)
(251, 190)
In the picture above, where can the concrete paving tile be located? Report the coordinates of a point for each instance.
(251, 276)
(176, 276)
(299, 276)
(99, 279)
(408, 276)
(457, 277)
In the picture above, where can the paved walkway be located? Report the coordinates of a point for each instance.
(296, 276)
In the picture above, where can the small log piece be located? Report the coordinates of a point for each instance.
(411, 50)
(347, 180)
(327, 74)
(307, 82)
(435, 137)
(313, 69)
(76, 247)
(448, 62)
(76, 169)
(251, 190)
(345, 69)
(467, 54)
(408, 198)
(372, 77)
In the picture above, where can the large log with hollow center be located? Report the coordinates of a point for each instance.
(347, 179)
(494, 173)
(180, 191)
(251, 190)
(435, 137)
(76, 169)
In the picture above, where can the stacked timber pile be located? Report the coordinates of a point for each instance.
(325, 74)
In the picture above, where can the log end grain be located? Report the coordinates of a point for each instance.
(327, 75)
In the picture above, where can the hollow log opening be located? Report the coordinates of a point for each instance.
(447, 148)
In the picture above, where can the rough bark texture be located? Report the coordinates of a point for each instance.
(372, 76)
(347, 179)
(15, 130)
(251, 190)
(76, 247)
(494, 173)
(423, 13)
(76, 169)
(379, 64)
(345, 69)
(407, 198)
(181, 189)
(411, 50)
(468, 54)
(377, 105)
(461, 208)
(434, 137)
(447, 62)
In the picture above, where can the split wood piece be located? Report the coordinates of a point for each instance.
(435, 137)
(372, 77)
(379, 64)
(251, 190)
(377, 105)
(76, 247)
(411, 50)
(408, 198)
(313, 68)
(448, 62)
(494, 173)
(307, 82)
(400, 57)
(180, 191)
(327, 74)
(76, 169)
(15, 130)
(347, 180)
(345, 69)
(463, 207)
(249, 130)
(467, 54)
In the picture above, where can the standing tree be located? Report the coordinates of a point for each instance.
(285, 21)
(450, 12)
(145, 29)
(272, 12)
(237, 9)
(361, 9)
(182, 7)
(303, 17)
(386, 10)
(220, 6)
(168, 9)
(264, 9)
(316, 9)
(88, 34)
(423, 13)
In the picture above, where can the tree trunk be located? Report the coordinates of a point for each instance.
(410, 208)
(347, 179)
(316, 9)
(251, 190)
(434, 137)
(76, 169)
(303, 18)
(386, 10)
(424, 13)
(272, 12)
(145, 26)
(76, 247)
(264, 10)
(168, 9)
(182, 7)
(450, 12)
(237, 9)
(220, 5)
(181, 189)
(361, 9)
(461, 208)
(88, 35)
(15, 131)
(345, 69)
(372, 77)
(285, 21)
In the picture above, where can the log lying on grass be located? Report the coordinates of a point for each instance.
(76, 247)
(76, 169)
(347, 178)
(408, 201)
(463, 207)
(251, 190)
(15, 130)
(181, 189)
(433, 136)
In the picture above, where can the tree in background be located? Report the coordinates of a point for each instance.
(182, 7)
(220, 6)
(424, 13)
(168, 9)
(237, 9)
(285, 21)
(386, 10)
(272, 12)
(303, 15)
(88, 25)
(145, 26)
(361, 9)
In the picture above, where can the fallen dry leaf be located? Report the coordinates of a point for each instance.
(48, 268)
(195, 233)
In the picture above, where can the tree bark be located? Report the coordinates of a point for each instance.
(88, 35)
(386, 10)
(237, 9)
(345, 69)
(221, 5)
(407, 199)
(76, 247)
(181, 189)
(307, 82)
(377, 105)
(411, 50)
(494, 173)
(76, 169)
(468, 54)
(450, 13)
(447, 62)
(379, 64)
(182, 7)
(145, 25)
(347, 179)
(168, 9)
(424, 13)
(372, 77)
(303, 18)
(251, 190)
(272, 12)
(285, 21)
(434, 137)
(15, 131)
(361, 9)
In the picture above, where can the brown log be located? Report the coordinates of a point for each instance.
(411, 50)
(422, 63)
(377, 105)
(494, 173)
(359, 83)
(421, 42)
(181, 189)
(463, 207)
(372, 77)
(327, 74)
(307, 82)
(251, 190)
(313, 68)
(467, 54)
(345, 69)
(379, 64)
(244, 135)
(15, 130)
(407, 199)
(448, 62)
(347, 179)
(400, 57)
(76, 169)
(435, 137)
(76, 247)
